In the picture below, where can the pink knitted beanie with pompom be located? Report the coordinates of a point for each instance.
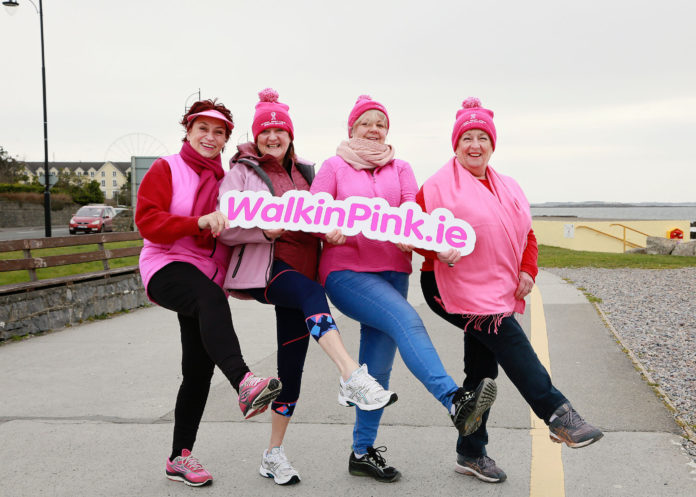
(473, 116)
(362, 105)
(271, 114)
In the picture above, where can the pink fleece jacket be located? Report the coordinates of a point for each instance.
(394, 182)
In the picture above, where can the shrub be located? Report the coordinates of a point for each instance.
(77, 191)
(58, 200)
(18, 188)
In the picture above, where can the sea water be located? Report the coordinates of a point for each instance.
(614, 212)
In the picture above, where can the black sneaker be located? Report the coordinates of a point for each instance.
(470, 406)
(568, 427)
(483, 468)
(372, 464)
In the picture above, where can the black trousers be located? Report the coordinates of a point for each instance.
(483, 352)
(207, 339)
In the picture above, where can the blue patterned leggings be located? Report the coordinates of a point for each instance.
(301, 310)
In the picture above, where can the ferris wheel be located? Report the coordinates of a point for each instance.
(134, 144)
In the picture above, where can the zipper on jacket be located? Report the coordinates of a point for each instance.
(211, 256)
(214, 247)
(269, 268)
(239, 261)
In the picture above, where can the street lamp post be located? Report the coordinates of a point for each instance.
(47, 186)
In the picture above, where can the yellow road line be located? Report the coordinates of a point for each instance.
(546, 479)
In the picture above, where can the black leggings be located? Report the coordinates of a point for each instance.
(301, 310)
(207, 339)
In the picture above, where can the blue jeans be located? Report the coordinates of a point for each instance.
(387, 321)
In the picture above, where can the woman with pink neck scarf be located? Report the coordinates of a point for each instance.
(481, 292)
(183, 267)
(367, 280)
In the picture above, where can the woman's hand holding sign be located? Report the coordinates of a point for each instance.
(215, 222)
(450, 256)
(273, 234)
(335, 237)
(405, 247)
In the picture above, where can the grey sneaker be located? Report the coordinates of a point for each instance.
(470, 406)
(483, 468)
(372, 464)
(363, 391)
(569, 428)
(275, 464)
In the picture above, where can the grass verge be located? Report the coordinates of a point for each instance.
(560, 257)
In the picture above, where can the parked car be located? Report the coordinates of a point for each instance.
(92, 219)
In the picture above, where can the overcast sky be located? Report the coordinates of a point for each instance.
(593, 100)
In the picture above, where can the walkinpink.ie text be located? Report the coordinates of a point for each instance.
(373, 217)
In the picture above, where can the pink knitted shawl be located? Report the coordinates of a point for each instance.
(483, 283)
(365, 154)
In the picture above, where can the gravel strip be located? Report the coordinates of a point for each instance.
(654, 312)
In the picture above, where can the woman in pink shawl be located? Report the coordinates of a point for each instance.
(481, 292)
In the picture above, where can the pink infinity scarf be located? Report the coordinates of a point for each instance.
(365, 154)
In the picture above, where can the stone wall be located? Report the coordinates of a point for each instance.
(54, 308)
(16, 215)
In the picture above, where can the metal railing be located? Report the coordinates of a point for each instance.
(621, 239)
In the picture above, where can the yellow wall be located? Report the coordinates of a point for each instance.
(571, 233)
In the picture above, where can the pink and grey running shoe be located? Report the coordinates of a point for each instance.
(186, 468)
(255, 394)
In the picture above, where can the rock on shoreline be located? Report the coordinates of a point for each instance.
(654, 311)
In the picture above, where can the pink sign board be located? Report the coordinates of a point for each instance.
(373, 217)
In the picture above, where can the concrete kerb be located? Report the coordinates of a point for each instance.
(688, 432)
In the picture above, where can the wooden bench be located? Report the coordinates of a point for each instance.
(31, 263)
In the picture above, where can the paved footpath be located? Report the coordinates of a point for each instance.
(87, 411)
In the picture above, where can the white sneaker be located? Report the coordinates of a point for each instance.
(275, 465)
(363, 391)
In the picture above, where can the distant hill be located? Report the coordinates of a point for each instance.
(593, 203)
